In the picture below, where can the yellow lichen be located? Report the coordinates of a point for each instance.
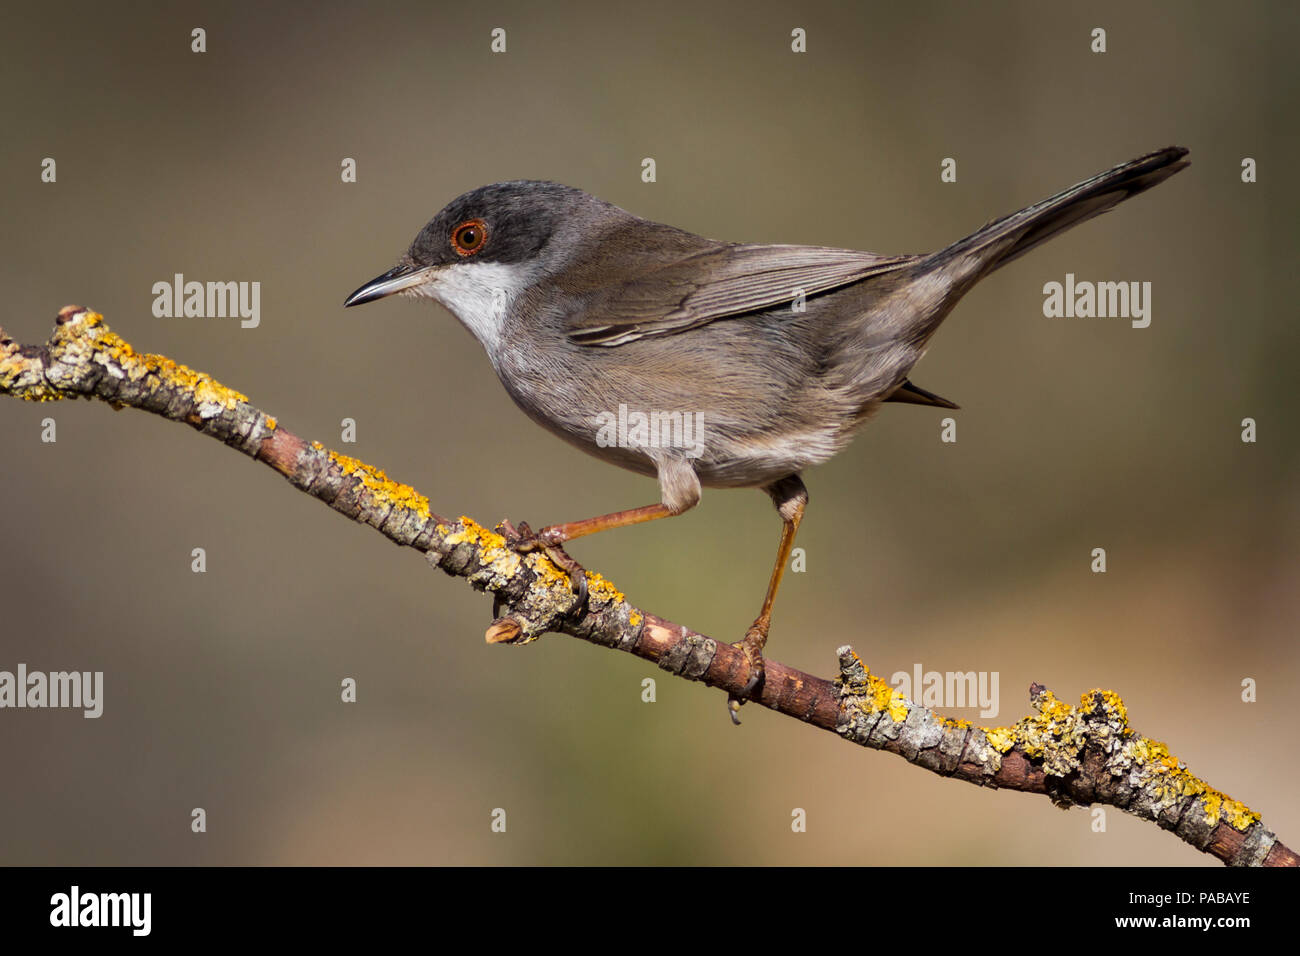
(82, 339)
(1107, 700)
(876, 695)
(1238, 815)
(493, 552)
(898, 706)
(489, 542)
(548, 574)
(1167, 779)
(1001, 739)
(382, 489)
(112, 350)
(1057, 734)
(33, 393)
(603, 589)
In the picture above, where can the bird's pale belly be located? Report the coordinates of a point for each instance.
(762, 460)
(723, 460)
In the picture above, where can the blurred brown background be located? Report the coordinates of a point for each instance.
(222, 689)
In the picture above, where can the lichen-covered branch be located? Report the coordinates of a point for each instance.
(1074, 755)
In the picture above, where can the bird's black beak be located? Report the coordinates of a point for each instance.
(396, 279)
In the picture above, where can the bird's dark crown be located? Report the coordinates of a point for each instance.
(520, 216)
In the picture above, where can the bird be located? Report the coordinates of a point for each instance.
(619, 335)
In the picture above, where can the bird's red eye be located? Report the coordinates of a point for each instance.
(469, 236)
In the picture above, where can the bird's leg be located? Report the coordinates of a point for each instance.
(791, 498)
(557, 534)
(551, 540)
(680, 489)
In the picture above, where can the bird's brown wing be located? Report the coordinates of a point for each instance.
(728, 280)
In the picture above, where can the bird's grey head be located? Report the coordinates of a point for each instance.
(486, 247)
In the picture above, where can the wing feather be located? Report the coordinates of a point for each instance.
(728, 280)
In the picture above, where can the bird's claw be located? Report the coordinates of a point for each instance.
(752, 648)
(522, 539)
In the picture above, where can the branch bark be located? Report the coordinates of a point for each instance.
(1073, 755)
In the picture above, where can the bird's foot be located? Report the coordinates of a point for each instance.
(752, 649)
(524, 540)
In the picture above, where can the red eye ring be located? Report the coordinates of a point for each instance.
(469, 236)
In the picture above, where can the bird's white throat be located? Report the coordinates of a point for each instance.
(479, 294)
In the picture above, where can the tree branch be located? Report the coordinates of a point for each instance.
(1074, 755)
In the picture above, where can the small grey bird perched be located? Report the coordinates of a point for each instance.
(616, 333)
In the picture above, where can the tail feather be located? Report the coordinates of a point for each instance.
(1010, 237)
(910, 394)
(931, 285)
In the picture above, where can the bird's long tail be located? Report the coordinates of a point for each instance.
(945, 276)
(1010, 237)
